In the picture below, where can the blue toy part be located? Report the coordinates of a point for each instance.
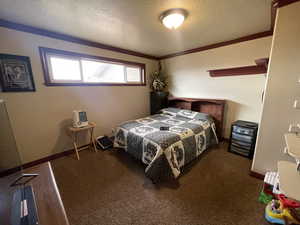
(273, 220)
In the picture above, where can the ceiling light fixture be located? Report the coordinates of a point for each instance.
(173, 18)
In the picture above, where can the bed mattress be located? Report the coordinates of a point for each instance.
(165, 151)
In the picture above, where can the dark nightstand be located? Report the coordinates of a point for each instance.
(243, 138)
(158, 101)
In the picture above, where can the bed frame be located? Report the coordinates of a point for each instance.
(213, 107)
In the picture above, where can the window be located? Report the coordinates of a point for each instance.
(69, 68)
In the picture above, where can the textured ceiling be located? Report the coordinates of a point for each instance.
(134, 24)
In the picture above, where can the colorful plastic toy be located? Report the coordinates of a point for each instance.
(264, 197)
(278, 210)
(288, 203)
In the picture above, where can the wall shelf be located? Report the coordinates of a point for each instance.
(261, 67)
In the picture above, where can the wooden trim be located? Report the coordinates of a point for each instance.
(43, 55)
(39, 161)
(82, 55)
(225, 140)
(273, 14)
(92, 84)
(10, 171)
(238, 71)
(267, 33)
(208, 100)
(49, 158)
(262, 62)
(220, 44)
(69, 38)
(256, 175)
(281, 3)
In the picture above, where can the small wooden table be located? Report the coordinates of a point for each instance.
(76, 130)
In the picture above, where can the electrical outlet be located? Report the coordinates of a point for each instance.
(294, 128)
(297, 103)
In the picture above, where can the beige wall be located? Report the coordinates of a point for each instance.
(39, 119)
(8, 150)
(281, 90)
(189, 78)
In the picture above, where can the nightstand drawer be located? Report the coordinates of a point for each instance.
(243, 130)
(240, 144)
(240, 151)
(241, 137)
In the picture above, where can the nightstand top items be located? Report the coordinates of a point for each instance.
(76, 129)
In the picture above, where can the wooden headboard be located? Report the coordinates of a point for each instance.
(213, 107)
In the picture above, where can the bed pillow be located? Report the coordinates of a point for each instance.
(186, 113)
(170, 111)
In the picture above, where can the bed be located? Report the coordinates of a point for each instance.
(190, 131)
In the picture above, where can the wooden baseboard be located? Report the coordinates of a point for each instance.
(225, 139)
(256, 175)
(10, 171)
(38, 161)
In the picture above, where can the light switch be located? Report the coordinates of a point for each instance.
(297, 103)
(294, 128)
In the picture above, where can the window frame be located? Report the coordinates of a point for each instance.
(46, 52)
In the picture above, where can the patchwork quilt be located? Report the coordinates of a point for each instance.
(166, 151)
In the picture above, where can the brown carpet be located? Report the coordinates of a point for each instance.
(109, 187)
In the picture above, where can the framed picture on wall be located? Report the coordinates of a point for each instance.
(15, 73)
